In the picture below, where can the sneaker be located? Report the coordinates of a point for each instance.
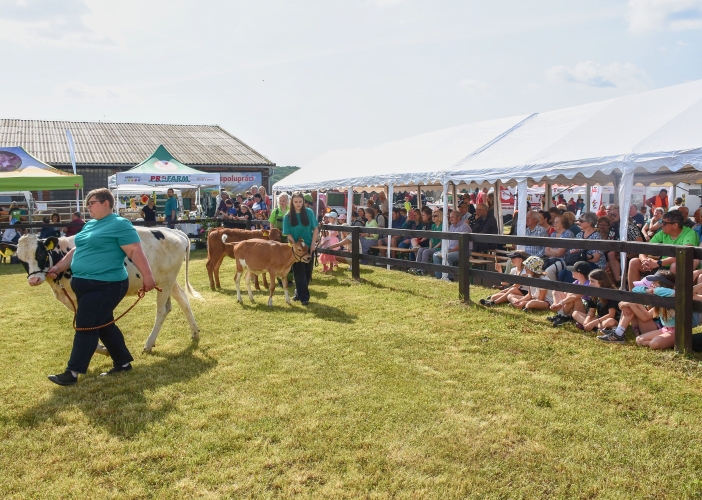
(552, 318)
(611, 337)
(305, 303)
(117, 369)
(295, 297)
(487, 303)
(579, 326)
(65, 378)
(562, 320)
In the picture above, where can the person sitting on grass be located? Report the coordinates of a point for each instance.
(564, 303)
(601, 313)
(537, 298)
(517, 259)
(657, 324)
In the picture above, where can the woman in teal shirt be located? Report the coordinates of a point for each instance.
(100, 282)
(301, 223)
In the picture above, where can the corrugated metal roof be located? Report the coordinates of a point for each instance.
(102, 143)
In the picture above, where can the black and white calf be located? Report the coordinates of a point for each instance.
(164, 248)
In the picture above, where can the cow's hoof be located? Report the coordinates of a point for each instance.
(147, 350)
(240, 301)
(195, 336)
(101, 349)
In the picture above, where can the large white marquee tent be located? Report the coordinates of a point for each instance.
(651, 137)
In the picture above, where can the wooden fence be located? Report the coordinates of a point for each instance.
(682, 303)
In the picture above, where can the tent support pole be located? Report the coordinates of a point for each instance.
(445, 228)
(349, 206)
(523, 208)
(587, 198)
(498, 207)
(453, 196)
(548, 195)
(419, 196)
(626, 185)
(391, 194)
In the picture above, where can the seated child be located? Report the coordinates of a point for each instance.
(536, 298)
(517, 259)
(565, 303)
(601, 313)
(657, 323)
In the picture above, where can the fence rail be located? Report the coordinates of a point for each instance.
(684, 260)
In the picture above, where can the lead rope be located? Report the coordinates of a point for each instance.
(140, 295)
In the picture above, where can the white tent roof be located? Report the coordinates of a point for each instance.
(649, 130)
(405, 162)
(643, 132)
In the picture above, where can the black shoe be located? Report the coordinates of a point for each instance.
(65, 378)
(295, 297)
(562, 320)
(305, 303)
(552, 318)
(117, 369)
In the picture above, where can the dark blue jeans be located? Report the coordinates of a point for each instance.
(170, 222)
(303, 276)
(96, 303)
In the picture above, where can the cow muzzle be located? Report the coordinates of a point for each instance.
(36, 278)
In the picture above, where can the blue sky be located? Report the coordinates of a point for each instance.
(296, 79)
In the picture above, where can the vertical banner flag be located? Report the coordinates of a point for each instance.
(72, 153)
(595, 198)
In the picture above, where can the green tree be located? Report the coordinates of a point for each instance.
(278, 173)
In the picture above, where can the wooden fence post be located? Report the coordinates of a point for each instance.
(464, 267)
(356, 258)
(683, 299)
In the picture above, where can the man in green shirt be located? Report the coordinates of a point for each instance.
(171, 208)
(673, 232)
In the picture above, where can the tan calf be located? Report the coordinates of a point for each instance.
(217, 250)
(260, 256)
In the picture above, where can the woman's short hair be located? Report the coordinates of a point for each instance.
(370, 213)
(102, 195)
(590, 217)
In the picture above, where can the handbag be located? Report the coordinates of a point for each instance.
(550, 261)
(572, 258)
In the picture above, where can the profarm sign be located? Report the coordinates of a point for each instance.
(200, 179)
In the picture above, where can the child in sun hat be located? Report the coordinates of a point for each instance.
(328, 238)
(536, 298)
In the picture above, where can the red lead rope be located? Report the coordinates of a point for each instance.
(140, 295)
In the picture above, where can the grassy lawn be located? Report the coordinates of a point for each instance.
(385, 389)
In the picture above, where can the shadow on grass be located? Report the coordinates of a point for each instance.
(400, 289)
(119, 403)
(319, 309)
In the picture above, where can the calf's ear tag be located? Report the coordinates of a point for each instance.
(49, 245)
(265, 233)
(289, 244)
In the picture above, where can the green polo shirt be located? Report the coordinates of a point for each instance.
(686, 237)
(98, 254)
(300, 231)
(171, 205)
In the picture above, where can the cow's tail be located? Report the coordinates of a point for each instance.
(188, 287)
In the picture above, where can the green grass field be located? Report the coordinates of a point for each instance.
(388, 388)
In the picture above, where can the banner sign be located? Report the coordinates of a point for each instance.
(202, 179)
(239, 182)
(595, 198)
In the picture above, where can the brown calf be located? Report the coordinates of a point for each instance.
(260, 256)
(217, 250)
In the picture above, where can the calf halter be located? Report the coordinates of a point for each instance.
(298, 257)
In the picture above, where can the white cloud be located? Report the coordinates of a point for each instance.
(53, 22)
(79, 90)
(615, 75)
(476, 86)
(652, 15)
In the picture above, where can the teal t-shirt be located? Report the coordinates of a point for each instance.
(686, 237)
(171, 204)
(435, 241)
(98, 254)
(300, 231)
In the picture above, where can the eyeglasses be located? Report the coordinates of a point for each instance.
(434, 216)
(92, 202)
(665, 223)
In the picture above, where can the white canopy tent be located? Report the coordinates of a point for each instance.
(651, 137)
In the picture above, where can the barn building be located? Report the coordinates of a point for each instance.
(104, 148)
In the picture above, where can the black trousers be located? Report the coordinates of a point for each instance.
(96, 302)
(303, 276)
